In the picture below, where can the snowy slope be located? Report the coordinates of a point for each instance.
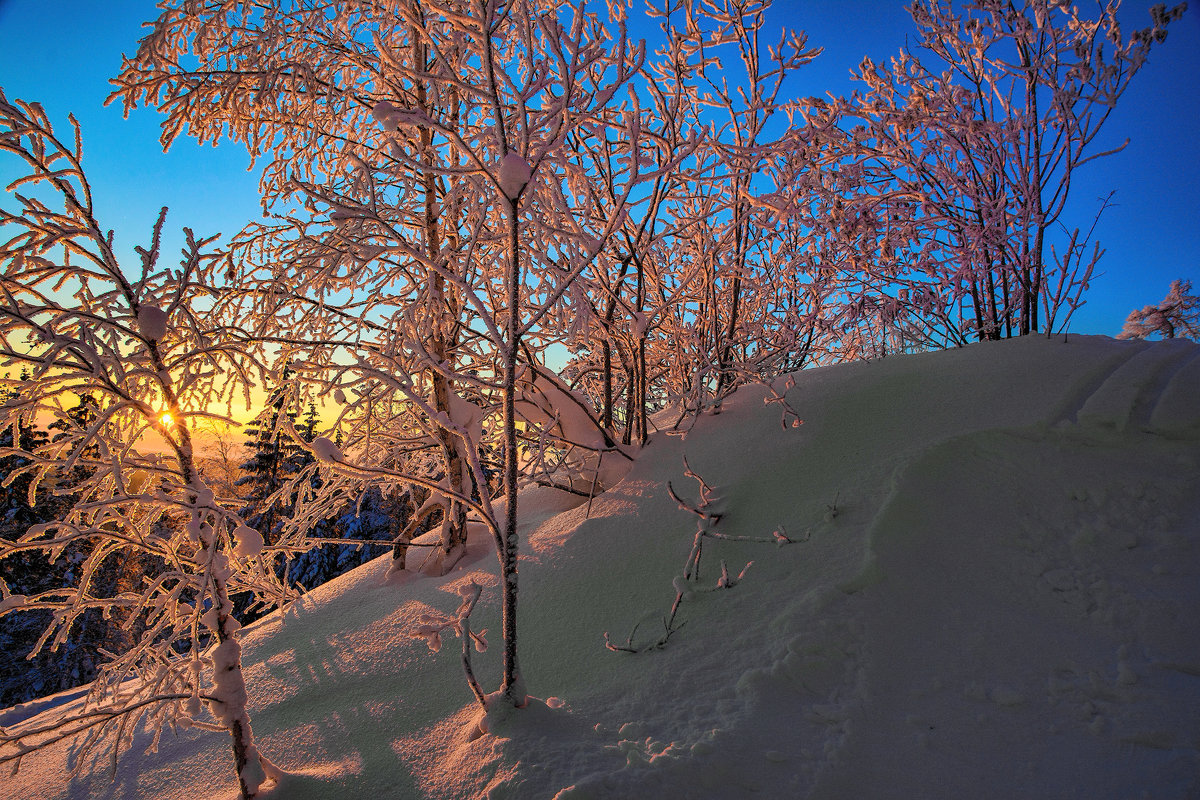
(992, 594)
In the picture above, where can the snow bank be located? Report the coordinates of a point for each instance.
(991, 594)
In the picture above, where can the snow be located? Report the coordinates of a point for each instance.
(548, 403)
(152, 322)
(515, 173)
(325, 450)
(387, 115)
(467, 417)
(248, 543)
(990, 593)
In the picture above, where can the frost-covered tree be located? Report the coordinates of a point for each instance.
(416, 154)
(955, 163)
(135, 343)
(1177, 314)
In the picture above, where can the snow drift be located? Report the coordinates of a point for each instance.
(991, 593)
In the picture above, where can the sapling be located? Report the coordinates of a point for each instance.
(136, 342)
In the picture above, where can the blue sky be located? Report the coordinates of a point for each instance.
(62, 53)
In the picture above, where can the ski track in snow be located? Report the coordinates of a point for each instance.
(1129, 389)
(992, 595)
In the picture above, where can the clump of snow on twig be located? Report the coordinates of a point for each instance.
(387, 115)
(248, 542)
(325, 450)
(152, 322)
(515, 173)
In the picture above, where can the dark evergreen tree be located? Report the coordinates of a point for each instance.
(76, 660)
(15, 507)
(369, 519)
(274, 459)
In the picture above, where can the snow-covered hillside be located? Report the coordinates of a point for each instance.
(992, 593)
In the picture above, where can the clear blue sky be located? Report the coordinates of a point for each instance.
(62, 53)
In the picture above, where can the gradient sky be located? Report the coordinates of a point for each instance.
(61, 53)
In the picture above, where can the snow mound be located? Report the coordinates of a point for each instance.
(989, 592)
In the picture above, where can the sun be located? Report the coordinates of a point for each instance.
(166, 419)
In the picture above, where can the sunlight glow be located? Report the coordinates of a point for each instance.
(166, 419)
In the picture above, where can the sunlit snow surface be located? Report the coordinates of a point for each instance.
(996, 597)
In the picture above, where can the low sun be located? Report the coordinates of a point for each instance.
(166, 419)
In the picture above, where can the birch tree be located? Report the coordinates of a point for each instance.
(134, 341)
(975, 134)
(426, 223)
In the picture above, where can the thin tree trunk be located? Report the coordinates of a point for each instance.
(510, 682)
(607, 419)
(239, 724)
(454, 528)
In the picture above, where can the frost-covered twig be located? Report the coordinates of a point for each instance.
(789, 418)
(669, 630)
(707, 498)
(691, 567)
(433, 624)
(133, 345)
(31, 738)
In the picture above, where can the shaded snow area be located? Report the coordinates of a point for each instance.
(992, 592)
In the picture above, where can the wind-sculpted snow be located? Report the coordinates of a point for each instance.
(990, 594)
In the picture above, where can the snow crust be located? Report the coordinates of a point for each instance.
(990, 593)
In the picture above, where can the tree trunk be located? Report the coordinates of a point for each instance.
(454, 527)
(510, 681)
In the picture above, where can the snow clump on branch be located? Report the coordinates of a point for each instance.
(515, 173)
(326, 450)
(248, 542)
(152, 322)
(387, 115)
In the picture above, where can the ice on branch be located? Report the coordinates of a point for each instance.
(515, 173)
(152, 322)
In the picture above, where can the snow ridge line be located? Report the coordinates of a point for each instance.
(1153, 390)
(1068, 412)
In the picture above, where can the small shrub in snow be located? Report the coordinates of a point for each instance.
(684, 583)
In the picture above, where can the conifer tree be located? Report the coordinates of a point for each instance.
(274, 459)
